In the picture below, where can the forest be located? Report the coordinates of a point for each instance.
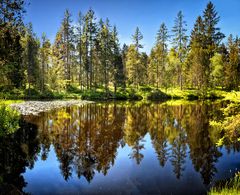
(87, 59)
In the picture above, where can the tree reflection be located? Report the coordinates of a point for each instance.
(86, 138)
(203, 151)
(135, 130)
(17, 152)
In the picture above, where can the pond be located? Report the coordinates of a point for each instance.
(118, 148)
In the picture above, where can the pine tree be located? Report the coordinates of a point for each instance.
(158, 58)
(68, 44)
(12, 29)
(180, 43)
(137, 37)
(133, 63)
(232, 66)
(31, 45)
(57, 71)
(89, 37)
(118, 71)
(124, 59)
(80, 48)
(45, 52)
(212, 37)
(197, 55)
(105, 51)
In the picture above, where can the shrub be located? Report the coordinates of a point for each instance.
(145, 88)
(73, 89)
(9, 120)
(192, 97)
(31, 92)
(158, 95)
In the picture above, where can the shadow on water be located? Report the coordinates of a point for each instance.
(95, 139)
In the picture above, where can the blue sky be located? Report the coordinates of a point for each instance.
(46, 15)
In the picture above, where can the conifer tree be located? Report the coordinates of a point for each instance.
(45, 52)
(11, 31)
(197, 55)
(158, 58)
(118, 71)
(30, 58)
(180, 43)
(133, 63)
(68, 44)
(212, 37)
(80, 48)
(233, 65)
(89, 37)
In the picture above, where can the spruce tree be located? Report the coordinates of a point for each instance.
(212, 37)
(45, 52)
(12, 29)
(79, 42)
(180, 43)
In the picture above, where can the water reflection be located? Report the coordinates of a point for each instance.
(86, 139)
(17, 151)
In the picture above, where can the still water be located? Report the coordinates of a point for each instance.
(118, 148)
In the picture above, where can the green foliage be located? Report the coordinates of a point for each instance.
(217, 73)
(87, 57)
(158, 95)
(229, 125)
(231, 187)
(73, 89)
(9, 120)
(145, 88)
(129, 94)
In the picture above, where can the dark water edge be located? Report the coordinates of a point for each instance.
(116, 148)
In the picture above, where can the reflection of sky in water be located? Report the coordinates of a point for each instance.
(137, 150)
(126, 176)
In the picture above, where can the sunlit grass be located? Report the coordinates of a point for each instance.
(8, 102)
(232, 187)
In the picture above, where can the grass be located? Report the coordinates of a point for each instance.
(8, 102)
(231, 187)
(129, 93)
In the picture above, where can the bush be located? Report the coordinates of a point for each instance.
(192, 97)
(91, 95)
(73, 89)
(157, 95)
(214, 96)
(121, 96)
(145, 88)
(134, 96)
(31, 93)
(47, 94)
(9, 120)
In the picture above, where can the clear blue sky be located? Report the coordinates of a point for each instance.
(46, 15)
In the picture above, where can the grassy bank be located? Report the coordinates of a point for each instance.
(129, 93)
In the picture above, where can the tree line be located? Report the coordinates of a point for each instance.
(88, 54)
